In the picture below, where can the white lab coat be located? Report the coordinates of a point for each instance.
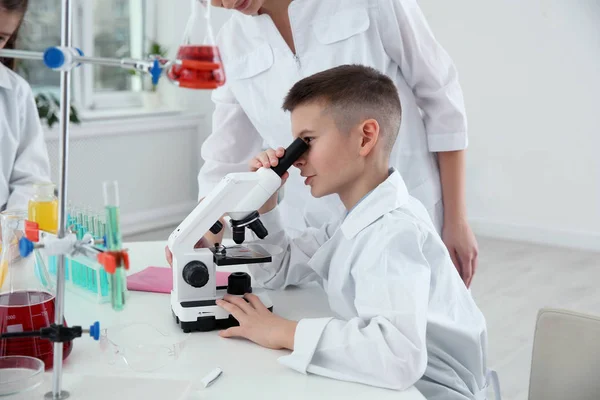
(403, 316)
(389, 35)
(23, 153)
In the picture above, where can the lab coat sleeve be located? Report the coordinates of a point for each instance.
(232, 143)
(290, 266)
(31, 163)
(385, 344)
(429, 72)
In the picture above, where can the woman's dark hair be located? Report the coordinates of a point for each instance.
(19, 6)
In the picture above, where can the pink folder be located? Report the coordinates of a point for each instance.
(160, 280)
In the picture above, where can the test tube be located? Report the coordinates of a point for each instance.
(103, 227)
(114, 244)
(111, 204)
(79, 216)
(72, 218)
(99, 226)
(80, 231)
(69, 213)
(86, 220)
(93, 224)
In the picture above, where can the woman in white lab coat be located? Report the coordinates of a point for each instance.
(270, 44)
(23, 154)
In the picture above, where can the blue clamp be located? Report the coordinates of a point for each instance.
(95, 331)
(156, 70)
(54, 58)
(57, 57)
(80, 54)
(25, 247)
(105, 241)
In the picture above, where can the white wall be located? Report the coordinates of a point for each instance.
(154, 160)
(529, 71)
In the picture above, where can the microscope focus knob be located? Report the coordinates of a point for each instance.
(195, 274)
(239, 283)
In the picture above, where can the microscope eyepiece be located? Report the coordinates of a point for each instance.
(291, 155)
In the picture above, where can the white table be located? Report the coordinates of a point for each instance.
(249, 371)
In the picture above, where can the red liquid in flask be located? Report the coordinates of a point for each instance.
(199, 79)
(24, 311)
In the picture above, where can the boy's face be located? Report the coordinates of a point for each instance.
(331, 162)
(248, 7)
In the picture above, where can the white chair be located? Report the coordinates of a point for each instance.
(566, 356)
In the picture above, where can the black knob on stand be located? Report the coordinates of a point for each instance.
(239, 283)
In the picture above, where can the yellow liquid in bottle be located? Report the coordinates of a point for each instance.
(45, 213)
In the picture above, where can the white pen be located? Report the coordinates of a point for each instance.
(212, 375)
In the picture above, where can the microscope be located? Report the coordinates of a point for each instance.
(238, 195)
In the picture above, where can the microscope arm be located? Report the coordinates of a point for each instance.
(238, 194)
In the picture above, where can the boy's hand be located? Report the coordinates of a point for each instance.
(257, 323)
(268, 158)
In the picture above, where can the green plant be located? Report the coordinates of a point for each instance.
(154, 50)
(48, 107)
(157, 49)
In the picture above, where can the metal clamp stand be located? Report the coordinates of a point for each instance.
(66, 37)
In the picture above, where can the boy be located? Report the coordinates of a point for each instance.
(402, 314)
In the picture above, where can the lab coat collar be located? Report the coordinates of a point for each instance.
(5, 81)
(388, 196)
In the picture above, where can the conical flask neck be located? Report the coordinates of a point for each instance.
(18, 273)
(198, 30)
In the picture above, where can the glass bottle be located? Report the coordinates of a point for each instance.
(43, 207)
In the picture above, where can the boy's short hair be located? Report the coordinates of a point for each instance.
(352, 93)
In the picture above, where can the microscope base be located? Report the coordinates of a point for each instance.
(205, 315)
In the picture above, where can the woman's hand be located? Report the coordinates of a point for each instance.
(267, 159)
(462, 245)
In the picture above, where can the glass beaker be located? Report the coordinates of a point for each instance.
(198, 64)
(25, 303)
(20, 376)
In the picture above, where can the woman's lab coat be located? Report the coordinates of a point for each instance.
(389, 35)
(403, 316)
(23, 154)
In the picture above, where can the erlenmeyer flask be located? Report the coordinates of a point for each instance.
(199, 64)
(26, 296)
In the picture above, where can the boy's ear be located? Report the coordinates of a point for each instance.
(370, 136)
